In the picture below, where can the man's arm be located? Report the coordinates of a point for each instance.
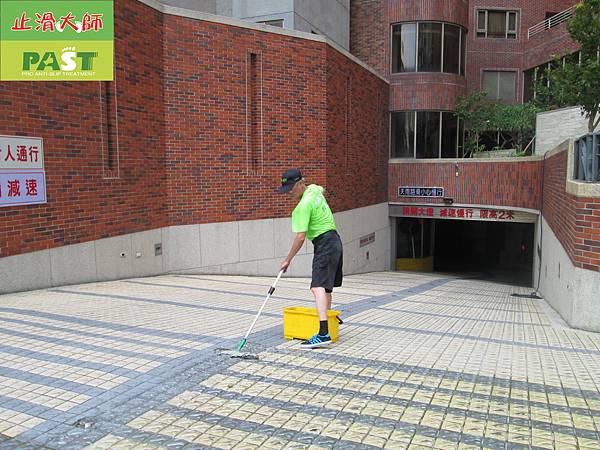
(296, 246)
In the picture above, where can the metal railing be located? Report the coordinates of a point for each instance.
(551, 22)
(587, 158)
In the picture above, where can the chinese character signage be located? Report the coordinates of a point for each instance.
(408, 191)
(461, 213)
(56, 40)
(22, 176)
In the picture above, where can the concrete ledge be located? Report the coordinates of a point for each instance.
(253, 247)
(575, 187)
(511, 159)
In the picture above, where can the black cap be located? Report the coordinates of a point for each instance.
(289, 179)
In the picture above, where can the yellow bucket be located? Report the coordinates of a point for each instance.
(303, 323)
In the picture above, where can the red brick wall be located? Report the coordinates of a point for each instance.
(368, 33)
(518, 54)
(422, 91)
(506, 184)
(357, 135)
(555, 41)
(82, 204)
(453, 11)
(574, 220)
(370, 41)
(186, 154)
(210, 177)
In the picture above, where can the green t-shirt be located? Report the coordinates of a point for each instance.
(312, 215)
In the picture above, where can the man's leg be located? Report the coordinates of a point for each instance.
(322, 300)
(322, 337)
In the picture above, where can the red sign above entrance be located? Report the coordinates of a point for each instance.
(461, 213)
(435, 212)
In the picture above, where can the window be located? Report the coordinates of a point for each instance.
(496, 24)
(274, 23)
(428, 134)
(528, 85)
(404, 43)
(428, 47)
(463, 50)
(429, 54)
(425, 134)
(500, 85)
(449, 135)
(451, 48)
(403, 134)
(539, 75)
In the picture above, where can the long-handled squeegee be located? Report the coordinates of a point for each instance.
(238, 353)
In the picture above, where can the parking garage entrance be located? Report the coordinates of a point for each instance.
(490, 244)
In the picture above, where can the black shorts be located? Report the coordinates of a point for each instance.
(327, 262)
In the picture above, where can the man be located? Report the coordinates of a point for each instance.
(312, 219)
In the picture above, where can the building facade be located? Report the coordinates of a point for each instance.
(523, 220)
(173, 166)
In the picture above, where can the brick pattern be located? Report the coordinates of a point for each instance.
(453, 11)
(425, 91)
(574, 220)
(185, 121)
(370, 41)
(556, 41)
(208, 117)
(504, 184)
(357, 131)
(82, 204)
(518, 54)
(368, 33)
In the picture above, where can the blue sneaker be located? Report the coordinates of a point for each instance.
(317, 341)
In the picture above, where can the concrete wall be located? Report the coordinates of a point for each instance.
(554, 127)
(252, 247)
(261, 10)
(571, 291)
(330, 18)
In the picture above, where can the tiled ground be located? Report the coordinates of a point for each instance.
(424, 361)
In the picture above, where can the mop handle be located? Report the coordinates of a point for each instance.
(271, 290)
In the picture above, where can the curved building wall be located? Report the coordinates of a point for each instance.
(426, 83)
(453, 11)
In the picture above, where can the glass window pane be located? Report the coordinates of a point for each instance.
(404, 43)
(430, 47)
(396, 46)
(449, 130)
(512, 21)
(528, 85)
(463, 50)
(481, 20)
(496, 24)
(490, 84)
(507, 85)
(451, 48)
(461, 139)
(428, 134)
(403, 134)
